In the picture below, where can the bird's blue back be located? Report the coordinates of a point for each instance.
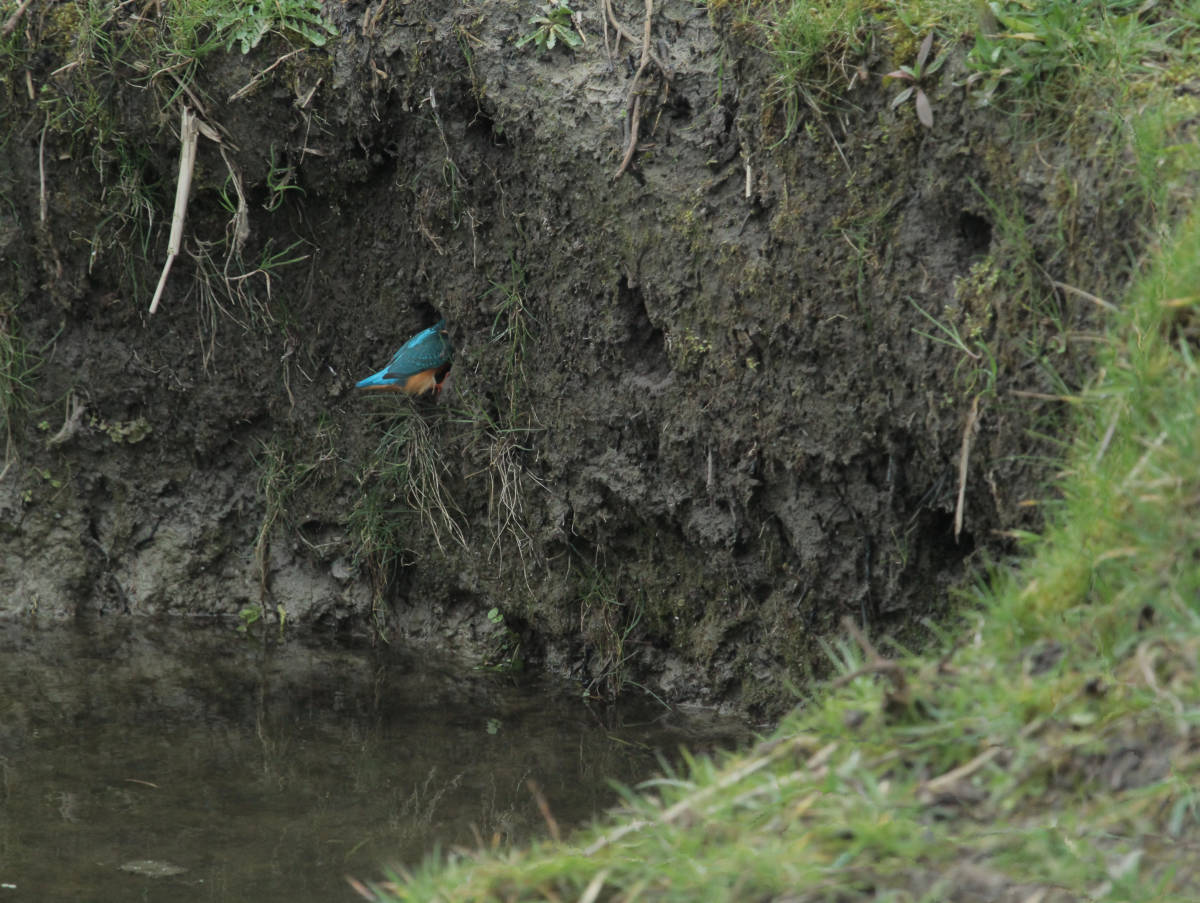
(424, 351)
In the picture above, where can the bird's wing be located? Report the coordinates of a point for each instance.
(423, 351)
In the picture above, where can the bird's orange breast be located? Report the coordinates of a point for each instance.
(420, 383)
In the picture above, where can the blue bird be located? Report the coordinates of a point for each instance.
(419, 366)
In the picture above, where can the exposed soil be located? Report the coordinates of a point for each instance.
(692, 420)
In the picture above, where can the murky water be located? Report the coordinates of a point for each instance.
(166, 763)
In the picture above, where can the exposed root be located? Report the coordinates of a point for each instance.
(634, 104)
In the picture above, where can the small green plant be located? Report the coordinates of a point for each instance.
(505, 652)
(984, 367)
(249, 616)
(280, 180)
(246, 24)
(553, 25)
(280, 475)
(512, 329)
(607, 623)
(404, 509)
(915, 75)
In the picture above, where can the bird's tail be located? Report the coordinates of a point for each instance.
(375, 380)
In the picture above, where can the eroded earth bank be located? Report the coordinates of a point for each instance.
(699, 411)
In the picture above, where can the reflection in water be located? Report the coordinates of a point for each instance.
(172, 763)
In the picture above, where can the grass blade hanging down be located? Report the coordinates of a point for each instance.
(189, 130)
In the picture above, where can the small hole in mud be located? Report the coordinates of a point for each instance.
(483, 125)
(976, 232)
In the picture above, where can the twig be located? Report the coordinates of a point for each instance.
(1099, 302)
(11, 24)
(245, 89)
(42, 203)
(965, 770)
(544, 808)
(1141, 462)
(635, 117)
(688, 804)
(592, 891)
(635, 106)
(604, 21)
(872, 654)
(1044, 396)
(883, 666)
(964, 458)
(1108, 435)
(189, 131)
(876, 664)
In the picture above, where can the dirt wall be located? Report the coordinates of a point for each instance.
(698, 413)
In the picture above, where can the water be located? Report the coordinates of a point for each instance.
(165, 763)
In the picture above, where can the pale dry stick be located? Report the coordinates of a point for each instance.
(963, 771)
(246, 88)
(689, 803)
(42, 201)
(1108, 434)
(964, 457)
(608, 51)
(592, 891)
(1099, 302)
(10, 24)
(636, 106)
(577, 21)
(1044, 396)
(544, 808)
(1141, 462)
(189, 132)
(970, 767)
(1146, 664)
(241, 217)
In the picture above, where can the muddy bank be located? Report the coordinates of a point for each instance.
(698, 413)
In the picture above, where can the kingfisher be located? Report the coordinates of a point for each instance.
(419, 366)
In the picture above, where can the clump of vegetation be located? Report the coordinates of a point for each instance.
(504, 655)
(916, 74)
(808, 45)
(246, 24)
(554, 24)
(404, 509)
(16, 369)
(282, 473)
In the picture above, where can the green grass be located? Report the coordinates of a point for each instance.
(1059, 61)
(1046, 749)
(282, 473)
(405, 510)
